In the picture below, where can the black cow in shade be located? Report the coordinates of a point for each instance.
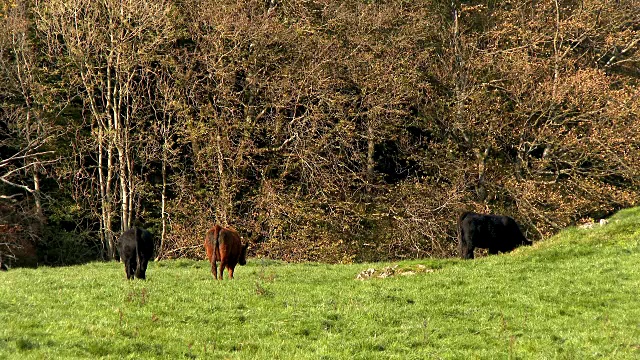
(136, 249)
(494, 232)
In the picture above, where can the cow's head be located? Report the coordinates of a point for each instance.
(243, 254)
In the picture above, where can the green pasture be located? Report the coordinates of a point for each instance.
(573, 296)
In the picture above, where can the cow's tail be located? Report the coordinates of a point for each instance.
(135, 236)
(216, 242)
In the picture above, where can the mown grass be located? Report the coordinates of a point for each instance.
(574, 296)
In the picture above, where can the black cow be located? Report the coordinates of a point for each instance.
(136, 249)
(495, 232)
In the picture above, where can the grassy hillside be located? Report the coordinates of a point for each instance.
(574, 296)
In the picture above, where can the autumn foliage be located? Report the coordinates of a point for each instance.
(322, 130)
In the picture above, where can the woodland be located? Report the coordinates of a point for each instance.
(322, 130)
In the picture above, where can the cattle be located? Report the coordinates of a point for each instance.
(136, 249)
(224, 245)
(495, 232)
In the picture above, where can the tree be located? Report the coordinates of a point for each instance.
(27, 134)
(108, 48)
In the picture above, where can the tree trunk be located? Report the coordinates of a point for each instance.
(370, 152)
(556, 55)
(34, 168)
(223, 202)
(163, 199)
(103, 194)
(106, 233)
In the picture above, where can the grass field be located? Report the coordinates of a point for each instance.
(574, 296)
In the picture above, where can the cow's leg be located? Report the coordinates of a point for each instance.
(467, 251)
(230, 268)
(223, 264)
(130, 267)
(214, 270)
(126, 269)
(140, 273)
(142, 269)
(465, 244)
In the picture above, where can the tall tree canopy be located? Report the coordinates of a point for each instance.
(322, 130)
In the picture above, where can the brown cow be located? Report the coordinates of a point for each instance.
(224, 244)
